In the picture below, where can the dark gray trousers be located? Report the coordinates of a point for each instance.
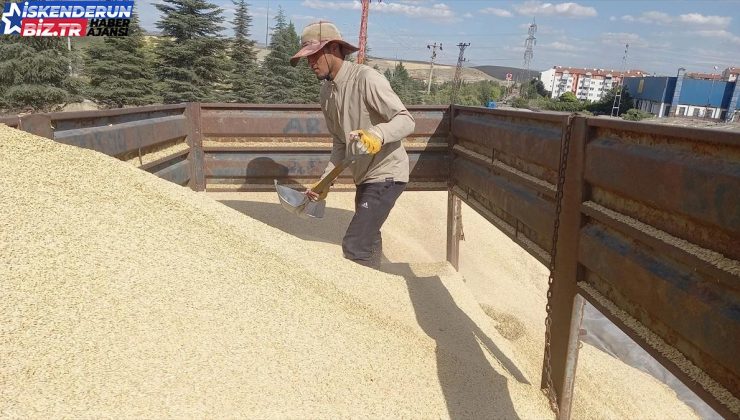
(373, 203)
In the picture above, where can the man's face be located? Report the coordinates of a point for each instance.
(319, 64)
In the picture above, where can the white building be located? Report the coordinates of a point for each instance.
(586, 84)
(730, 74)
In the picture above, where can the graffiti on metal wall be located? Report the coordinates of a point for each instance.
(303, 126)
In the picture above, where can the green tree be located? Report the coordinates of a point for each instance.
(407, 89)
(280, 78)
(245, 80)
(605, 104)
(120, 71)
(536, 88)
(568, 97)
(34, 74)
(192, 60)
(308, 87)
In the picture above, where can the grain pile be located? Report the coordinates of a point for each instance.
(127, 296)
(507, 284)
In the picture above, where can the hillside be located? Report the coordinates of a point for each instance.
(419, 69)
(499, 72)
(441, 74)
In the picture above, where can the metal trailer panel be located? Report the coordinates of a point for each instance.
(521, 207)
(10, 121)
(535, 142)
(688, 309)
(125, 137)
(247, 146)
(661, 240)
(290, 167)
(179, 173)
(86, 119)
(702, 188)
(650, 220)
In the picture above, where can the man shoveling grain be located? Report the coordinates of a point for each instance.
(367, 121)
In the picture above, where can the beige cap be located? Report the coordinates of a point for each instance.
(315, 36)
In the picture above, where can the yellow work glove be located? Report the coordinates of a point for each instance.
(366, 141)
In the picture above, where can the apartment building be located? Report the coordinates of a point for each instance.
(586, 84)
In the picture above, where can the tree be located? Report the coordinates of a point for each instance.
(568, 97)
(407, 89)
(604, 106)
(245, 79)
(120, 70)
(535, 88)
(281, 79)
(34, 73)
(192, 60)
(308, 87)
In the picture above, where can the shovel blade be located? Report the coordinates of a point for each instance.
(297, 203)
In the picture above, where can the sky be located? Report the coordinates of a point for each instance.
(663, 35)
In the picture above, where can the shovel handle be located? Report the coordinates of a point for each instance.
(326, 181)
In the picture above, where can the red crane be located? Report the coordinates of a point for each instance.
(363, 31)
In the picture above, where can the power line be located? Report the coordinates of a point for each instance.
(618, 97)
(432, 47)
(529, 51)
(456, 81)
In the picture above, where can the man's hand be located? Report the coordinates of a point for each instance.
(366, 141)
(316, 196)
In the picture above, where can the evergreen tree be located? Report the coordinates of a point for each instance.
(192, 60)
(119, 70)
(281, 80)
(308, 86)
(34, 73)
(245, 80)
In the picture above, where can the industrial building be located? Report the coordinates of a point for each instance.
(684, 96)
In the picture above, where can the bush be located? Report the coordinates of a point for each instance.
(568, 97)
(635, 114)
(520, 103)
(558, 105)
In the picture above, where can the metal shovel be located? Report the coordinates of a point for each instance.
(299, 204)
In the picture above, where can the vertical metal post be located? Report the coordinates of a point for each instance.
(454, 219)
(195, 141)
(566, 263)
(38, 124)
(566, 400)
(454, 204)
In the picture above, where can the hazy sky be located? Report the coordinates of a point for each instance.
(662, 35)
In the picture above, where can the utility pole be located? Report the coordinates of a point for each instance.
(432, 47)
(456, 82)
(267, 24)
(363, 32)
(618, 97)
(529, 44)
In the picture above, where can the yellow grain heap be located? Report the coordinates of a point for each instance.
(127, 296)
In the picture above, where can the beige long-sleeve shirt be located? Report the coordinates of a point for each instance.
(360, 98)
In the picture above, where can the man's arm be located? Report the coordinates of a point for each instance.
(338, 153)
(380, 97)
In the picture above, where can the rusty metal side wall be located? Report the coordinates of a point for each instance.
(656, 229)
(118, 139)
(247, 147)
(151, 137)
(506, 162)
(86, 119)
(10, 121)
(661, 242)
